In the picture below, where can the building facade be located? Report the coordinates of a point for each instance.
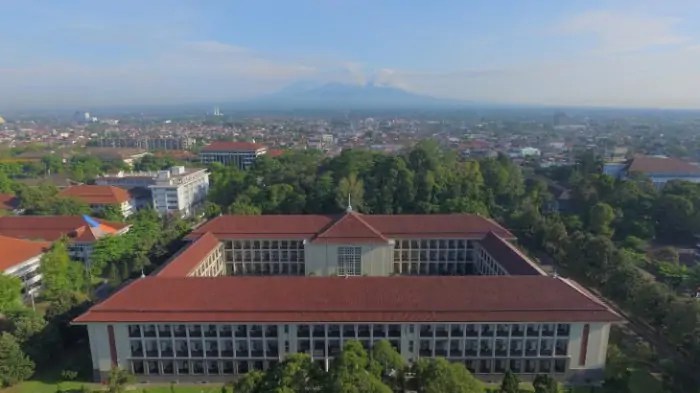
(176, 190)
(99, 197)
(658, 169)
(81, 231)
(211, 329)
(239, 154)
(22, 258)
(249, 290)
(179, 191)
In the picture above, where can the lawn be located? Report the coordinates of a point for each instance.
(75, 387)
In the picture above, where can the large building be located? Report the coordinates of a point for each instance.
(148, 143)
(80, 231)
(433, 285)
(658, 169)
(99, 197)
(176, 190)
(240, 154)
(21, 258)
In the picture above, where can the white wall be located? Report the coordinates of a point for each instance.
(321, 259)
(596, 350)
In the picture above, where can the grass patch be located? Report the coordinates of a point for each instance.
(76, 386)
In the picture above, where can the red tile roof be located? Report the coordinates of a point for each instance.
(97, 195)
(291, 226)
(188, 259)
(52, 228)
(662, 165)
(16, 251)
(232, 146)
(508, 256)
(275, 152)
(389, 226)
(350, 227)
(8, 202)
(357, 299)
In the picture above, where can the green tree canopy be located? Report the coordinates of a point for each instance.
(15, 366)
(350, 372)
(510, 383)
(600, 216)
(60, 275)
(10, 292)
(439, 376)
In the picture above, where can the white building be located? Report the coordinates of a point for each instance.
(176, 190)
(240, 154)
(447, 285)
(21, 258)
(179, 191)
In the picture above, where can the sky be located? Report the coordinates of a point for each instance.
(86, 54)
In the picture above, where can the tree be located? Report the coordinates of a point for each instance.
(59, 274)
(15, 366)
(545, 384)
(117, 380)
(244, 208)
(439, 376)
(510, 383)
(111, 213)
(7, 185)
(10, 292)
(675, 216)
(387, 363)
(297, 373)
(600, 216)
(26, 323)
(251, 382)
(350, 372)
(353, 188)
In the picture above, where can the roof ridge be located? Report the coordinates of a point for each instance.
(343, 218)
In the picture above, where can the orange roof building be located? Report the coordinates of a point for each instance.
(658, 169)
(21, 258)
(101, 196)
(247, 291)
(80, 231)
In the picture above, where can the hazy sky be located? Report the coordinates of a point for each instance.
(564, 52)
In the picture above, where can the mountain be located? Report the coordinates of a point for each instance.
(306, 95)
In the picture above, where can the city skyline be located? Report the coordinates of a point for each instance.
(593, 53)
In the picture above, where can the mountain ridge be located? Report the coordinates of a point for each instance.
(336, 95)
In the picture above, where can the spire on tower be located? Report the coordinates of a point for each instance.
(349, 208)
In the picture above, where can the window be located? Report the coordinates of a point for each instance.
(349, 261)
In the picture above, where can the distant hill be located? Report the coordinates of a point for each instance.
(347, 96)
